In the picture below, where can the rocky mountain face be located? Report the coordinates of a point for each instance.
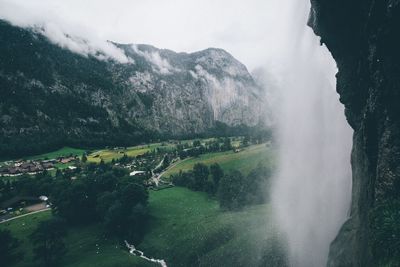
(51, 96)
(364, 38)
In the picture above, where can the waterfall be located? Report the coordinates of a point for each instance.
(311, 193)
(139, 253)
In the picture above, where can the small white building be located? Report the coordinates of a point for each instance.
(137, 173)
(43, 198)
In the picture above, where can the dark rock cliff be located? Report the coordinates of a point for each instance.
(364, 39)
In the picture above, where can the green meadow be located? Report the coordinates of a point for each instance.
(186, 229)
(62, 152)
(86, 246)
(245, 160)
(107, 155)
(189, 229)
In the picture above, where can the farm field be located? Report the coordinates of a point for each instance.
(21, 229)
(189, 229)
(244, 161)
(86, 246)
(186, 227)
(107, 155)
(63, 152)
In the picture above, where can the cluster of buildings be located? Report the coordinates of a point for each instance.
(27, 167)
(135, 163)
(19, 167)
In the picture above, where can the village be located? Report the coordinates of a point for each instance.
(32, 167)
(148, 166)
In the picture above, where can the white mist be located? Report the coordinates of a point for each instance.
(312, 189)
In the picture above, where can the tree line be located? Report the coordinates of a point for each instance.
(88, 195)
(233, 190)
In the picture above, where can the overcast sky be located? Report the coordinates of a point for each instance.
(251, 30)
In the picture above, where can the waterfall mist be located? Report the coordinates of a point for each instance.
(312, 188)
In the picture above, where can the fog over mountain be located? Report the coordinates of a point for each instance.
(251, 30)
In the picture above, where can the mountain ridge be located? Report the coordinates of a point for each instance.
(53, 96)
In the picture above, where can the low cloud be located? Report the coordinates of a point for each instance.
(100, 49)
(159, 63)
(65, 35)
(249, 30)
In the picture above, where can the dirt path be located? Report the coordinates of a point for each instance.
(36, 207)
(158, 178)
(173, 165)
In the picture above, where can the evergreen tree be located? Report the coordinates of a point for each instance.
(196, 143)
(217, 173)
(231, 193)
(200, 174)
(166, 161)
(227, 144)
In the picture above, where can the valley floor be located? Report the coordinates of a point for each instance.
(186, 228)
(189, 229)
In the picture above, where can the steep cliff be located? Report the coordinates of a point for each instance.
(364, 39)
(53, 96)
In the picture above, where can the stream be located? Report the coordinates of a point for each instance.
(134, 251)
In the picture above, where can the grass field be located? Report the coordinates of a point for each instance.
(109, 154)
(62, 166)
(186, 229)
(86, 246)
(63, 152)
(21, 229)
(245, 160)
(189, 229)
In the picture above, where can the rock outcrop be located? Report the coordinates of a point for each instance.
(364, 39)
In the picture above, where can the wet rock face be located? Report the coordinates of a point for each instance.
(364, 39)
